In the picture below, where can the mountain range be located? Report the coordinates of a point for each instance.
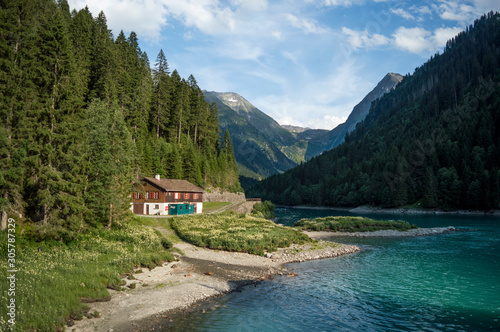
(431, 142)
(263, 147)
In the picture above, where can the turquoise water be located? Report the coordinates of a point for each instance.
(446, 282)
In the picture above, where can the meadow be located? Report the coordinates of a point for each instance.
(54, 280)
(351, 224)
(236, 232)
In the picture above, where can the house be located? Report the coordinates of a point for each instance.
(166, 196)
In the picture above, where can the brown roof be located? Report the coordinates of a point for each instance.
(174, 185)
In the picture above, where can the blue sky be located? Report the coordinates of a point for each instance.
(303, 62)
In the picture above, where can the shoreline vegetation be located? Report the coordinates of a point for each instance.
(351, 224)
(121, 278)
(398, 210)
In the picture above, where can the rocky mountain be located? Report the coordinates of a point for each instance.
(295, 129)
(260, 143)
(319, 142)
(263, 147)
(361, 110)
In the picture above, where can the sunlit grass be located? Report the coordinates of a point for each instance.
(236, 232)
(52, 278)
(209, 207)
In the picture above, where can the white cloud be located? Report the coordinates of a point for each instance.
(414, 40)
(253, 5)
(328, 122)
(454, 11)
(207, 16)
(239, 49)
(145, 17)
(403, 13)
(465, 11)
(423, 10)
(319, 102)
(344, 3)
(307, 25)
(358, 39)
(442, 35)
(420, 41)
(276, 34)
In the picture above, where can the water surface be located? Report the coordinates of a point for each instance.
(445, 282)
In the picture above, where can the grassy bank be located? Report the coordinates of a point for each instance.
(351, 224)
(235, 232)
(52, 278)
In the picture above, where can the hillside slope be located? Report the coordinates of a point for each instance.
(263, 147)
(256, 150)
(434, 140)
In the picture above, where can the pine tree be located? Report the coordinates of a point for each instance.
(111, 170)
(13, 92)
(54, 178)
(162, 91)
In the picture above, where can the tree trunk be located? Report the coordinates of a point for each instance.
(110, 215)
(4, 219)
(180, 130)
(195, 131)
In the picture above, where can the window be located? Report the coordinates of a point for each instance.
(157, 206)
(186, 196)
(146, 195)
(176, 196)
(196, 196)
(157, 195)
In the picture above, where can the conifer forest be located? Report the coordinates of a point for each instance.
(84, 115)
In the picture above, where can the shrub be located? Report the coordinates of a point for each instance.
(351, 224)
(233, 232)
(264, 210)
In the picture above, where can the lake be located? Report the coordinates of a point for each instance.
(445, 282)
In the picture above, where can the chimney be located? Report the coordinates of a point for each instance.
(157, 177)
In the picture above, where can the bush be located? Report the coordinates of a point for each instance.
(233, 232)
(264, 210)
(351, 224)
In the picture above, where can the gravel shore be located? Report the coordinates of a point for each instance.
(385, 233)
(199, 274)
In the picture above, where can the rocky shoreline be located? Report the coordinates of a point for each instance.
(385, 233)
(170, 290)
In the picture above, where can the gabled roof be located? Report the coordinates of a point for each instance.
(174, 185)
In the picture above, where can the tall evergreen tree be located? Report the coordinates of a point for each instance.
(161, 103)
(111, 170)
(54, 178)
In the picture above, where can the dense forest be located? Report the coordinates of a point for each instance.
(83, 115)
(434, 141)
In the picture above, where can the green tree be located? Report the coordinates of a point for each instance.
(162, 87)
(111, 168)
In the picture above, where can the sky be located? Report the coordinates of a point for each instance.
(303, 62)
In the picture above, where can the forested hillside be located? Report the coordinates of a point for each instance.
(260, 143)
(433, 141)
(83, 116)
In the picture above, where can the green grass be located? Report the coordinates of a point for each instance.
(351, 224)
(52, 278)
(236, 232)
(161, 224)
(213, 206)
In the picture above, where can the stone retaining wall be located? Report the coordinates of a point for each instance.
(223, 196)
(246, 207)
